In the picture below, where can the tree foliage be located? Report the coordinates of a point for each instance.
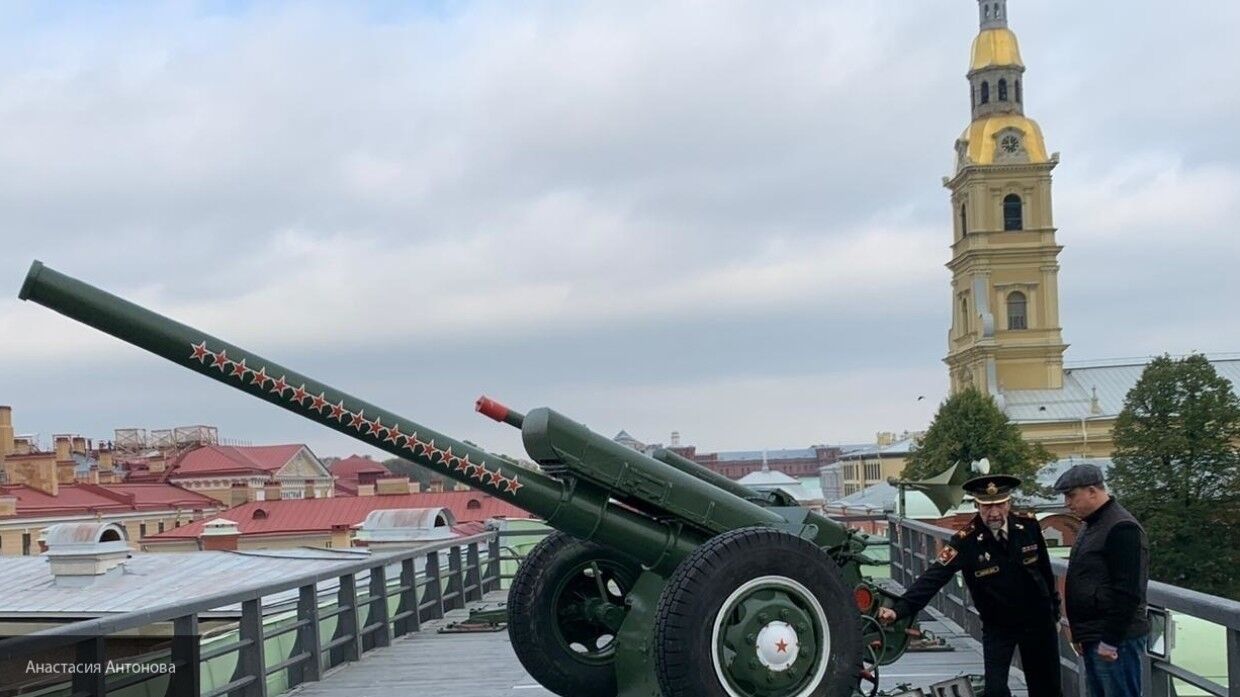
(1177, 469)
(969, 426)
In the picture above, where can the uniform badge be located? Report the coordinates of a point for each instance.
(947, 554)
(986, 572)
(983, 557)
(1029, 548)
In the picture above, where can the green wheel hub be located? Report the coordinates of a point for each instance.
(589, 608)
(767, 638)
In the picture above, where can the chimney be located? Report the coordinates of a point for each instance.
(105, 460)
(8, 506)
(79, 444)
(365, 489)
(62, 448)
(6, 431)
(219, 535)
(79, 553)
(675, 439)
(66, 472)
(271, 491)
(436, 486)
(37, 471)
(389, 486)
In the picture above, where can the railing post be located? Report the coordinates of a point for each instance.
(408, 599)
(308, 640)
(434, 586)
(251, 661)
(473, 573)
(347, 625)
(379, 607)
(185, 658)
(92, 652)
(1233, 662)
(456, 580)
(491, 581)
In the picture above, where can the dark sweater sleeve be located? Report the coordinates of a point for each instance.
(1122, 593)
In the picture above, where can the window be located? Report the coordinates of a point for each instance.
(25, 544)
(985, 92)
(1012, 216)
(1017, 309)
(1018, 91)
(1002, 89)
(141, 530)
(873, 471)
(972, 96)
(964, 313)
(964, 221)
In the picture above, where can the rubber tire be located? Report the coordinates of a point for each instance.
(531, 618)
(694, 595)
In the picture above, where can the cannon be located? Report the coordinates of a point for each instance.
(662, 578)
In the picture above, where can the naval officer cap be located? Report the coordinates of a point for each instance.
(1083, 474)
(992, 488)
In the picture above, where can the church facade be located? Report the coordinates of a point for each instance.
(1005, 337)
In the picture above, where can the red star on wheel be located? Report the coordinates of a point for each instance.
(781, 646)
(393, 434)
(373, 427)
(300, 394)
(338, 411)
(279, 386)
(239, 370)
(200, 352)
(260, 377)
(318, 403)
(358, 419)
(221, 360)
(512, 484)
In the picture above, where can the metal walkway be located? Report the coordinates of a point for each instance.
(484, 665)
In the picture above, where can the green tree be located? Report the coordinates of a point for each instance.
(1177, 469)
(969, 426)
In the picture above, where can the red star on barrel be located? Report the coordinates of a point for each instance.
(412, 442)
(495, 477)
(480, 473)
(279, 386)
(429, 449)
(447, 457)
(221, 360)
(200, 352)
(781, 646)
(300, 394)
(338, 411)
(358, 419)
(463, 464)
(393, 434)
(317, 403)
(374, 427)
(239, 370)
(512, 484)
(260, 377)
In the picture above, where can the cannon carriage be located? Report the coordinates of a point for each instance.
(663, 578)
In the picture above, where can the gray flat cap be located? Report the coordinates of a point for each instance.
(1079, 475)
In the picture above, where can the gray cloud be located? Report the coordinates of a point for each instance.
(718, 218)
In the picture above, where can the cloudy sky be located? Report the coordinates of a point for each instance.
(723, 218)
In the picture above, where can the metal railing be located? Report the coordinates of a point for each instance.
(398, 598)
(914, 546)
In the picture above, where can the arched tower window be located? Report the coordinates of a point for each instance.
(985, 92)
(1002, 89)
(1018, 98)
(986, 11)
(1017, 309)
(964, 221)
(964, 313)
(1013, 218)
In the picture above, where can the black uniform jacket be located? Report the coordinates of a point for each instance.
(1011, 587)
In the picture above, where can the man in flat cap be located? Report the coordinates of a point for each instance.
(1105, 588)
(1008, 571)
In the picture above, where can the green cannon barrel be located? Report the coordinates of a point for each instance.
(583, 511)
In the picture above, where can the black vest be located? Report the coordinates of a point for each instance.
(1084, 588)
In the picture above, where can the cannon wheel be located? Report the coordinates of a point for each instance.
(564, 611)
(757, 612)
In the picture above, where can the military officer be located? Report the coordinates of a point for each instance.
(1008, 571)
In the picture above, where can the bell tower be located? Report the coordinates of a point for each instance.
(1005, 332)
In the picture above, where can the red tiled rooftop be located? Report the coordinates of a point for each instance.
(81, 499)
(221, 459)
(352, 466)
(321, 515)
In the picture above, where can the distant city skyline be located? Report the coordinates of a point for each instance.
(721, 220)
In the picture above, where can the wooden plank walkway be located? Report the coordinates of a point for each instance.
(484, 665)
